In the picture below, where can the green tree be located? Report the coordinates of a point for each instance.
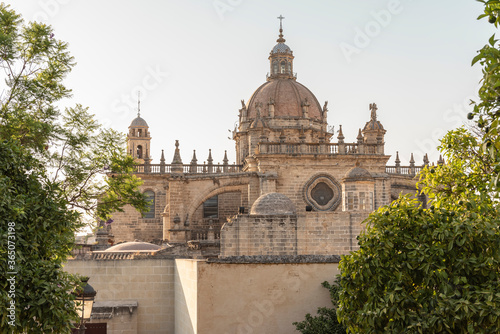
(430, 270)
(326, 321)
(36, 237)
(487, 110)
(73, 146)
(34, 63)
(81, 156)
(437, 270)
(53, 169)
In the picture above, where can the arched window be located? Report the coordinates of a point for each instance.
(288, 68)
(282, 69)
(150, 197)
(139, 132)
(211, 207)
(139, 151)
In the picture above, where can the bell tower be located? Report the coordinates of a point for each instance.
(138, 137)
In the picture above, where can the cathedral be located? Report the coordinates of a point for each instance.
(283, 147)
(244, 247)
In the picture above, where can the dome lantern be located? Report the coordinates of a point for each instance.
(281, 58)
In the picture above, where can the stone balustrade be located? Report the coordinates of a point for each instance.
(404, 170)
(206, 229)
(276, 148)
(319, 148)
(187, 168)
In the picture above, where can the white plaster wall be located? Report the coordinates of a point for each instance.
(186, 296)
(259, 298)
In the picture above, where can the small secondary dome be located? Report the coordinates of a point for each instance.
(133, 246)
(281, 48)
(373, 124)
(358, 173)
(139, 121)
(273, 204)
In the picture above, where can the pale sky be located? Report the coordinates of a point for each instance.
(194, 60)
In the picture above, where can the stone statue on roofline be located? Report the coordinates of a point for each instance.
(373, 108)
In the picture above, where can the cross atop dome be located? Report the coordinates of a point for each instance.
(281, 39)
(281, 17)
(139, 104)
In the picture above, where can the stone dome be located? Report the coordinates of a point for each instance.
(133, 246)
(273, 204)
(281, 48)
(373, 125)
(139, 121)
(357, 174)
(288, 96)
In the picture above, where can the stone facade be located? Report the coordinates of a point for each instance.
(311, 233)
(132, 225)
(342, 183)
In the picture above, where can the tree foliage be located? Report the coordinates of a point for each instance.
(80, 158)
(487, 110)
(41, 236)
(34, 63)
(76, 149)
(429, 270)
(437, 269)
(53, 169)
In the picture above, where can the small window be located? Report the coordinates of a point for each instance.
(282, 69)
(211, 208)
(352, 201)
(275, 67)
(139, 133)
(365, 201)
(150, 197)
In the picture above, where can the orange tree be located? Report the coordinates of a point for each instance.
(437, 269)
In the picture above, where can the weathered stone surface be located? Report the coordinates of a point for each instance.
(273, 204)
(278, 259)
